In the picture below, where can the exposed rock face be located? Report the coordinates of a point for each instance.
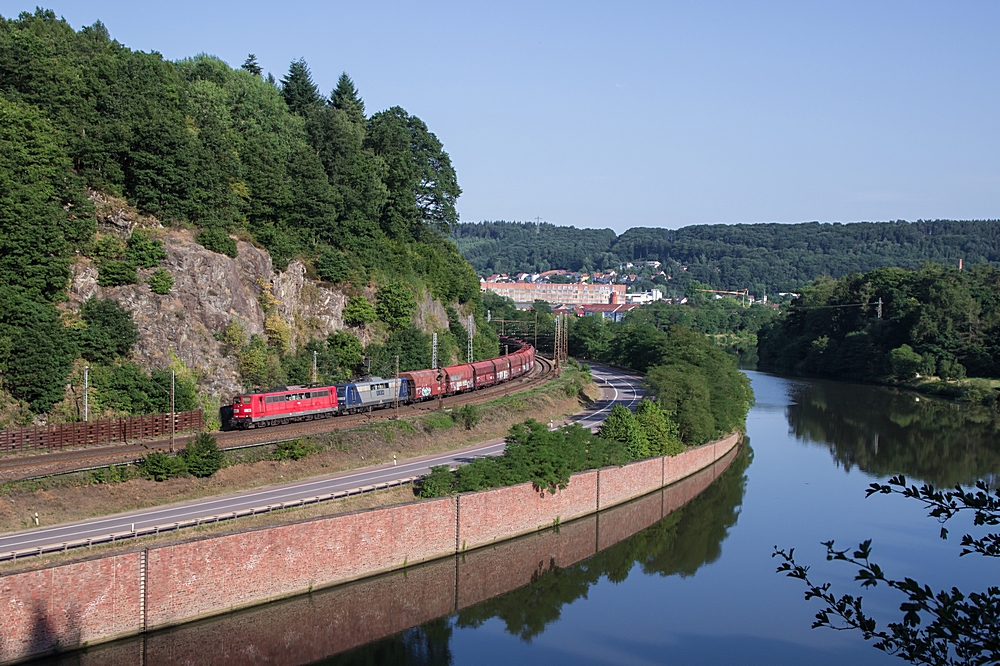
(210, 290)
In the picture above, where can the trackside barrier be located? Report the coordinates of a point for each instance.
(14, 555)
(98, 433)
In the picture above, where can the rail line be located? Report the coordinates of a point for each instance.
(617, 388)
(41, 465)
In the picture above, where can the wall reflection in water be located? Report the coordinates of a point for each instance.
(407, 617)
(885, 432)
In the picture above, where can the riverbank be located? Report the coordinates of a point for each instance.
(101, 598)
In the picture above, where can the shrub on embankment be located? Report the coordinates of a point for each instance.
(547, 458)
(200, 458)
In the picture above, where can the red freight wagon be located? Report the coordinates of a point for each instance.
(424, 384)
(459, 378)
(502, 365)
(485, 373)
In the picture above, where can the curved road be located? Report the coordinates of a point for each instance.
(616, 386)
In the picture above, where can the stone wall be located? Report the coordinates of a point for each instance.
(98, 599)
(67, 606)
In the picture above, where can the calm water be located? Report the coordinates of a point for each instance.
(697, 587)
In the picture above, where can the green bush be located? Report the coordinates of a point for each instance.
(110, 331)
(161, 282)
(294, 450)
(115, 273)
(217, 240)
(332, 266)
(661, 431)
(438, 483)
(160, 466)
(358, 311)
(622, 426)
(905, 362)
(469, 416)
(979, 392)
(202, 456)
(143, 251)
(395, 305)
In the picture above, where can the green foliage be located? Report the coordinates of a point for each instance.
(202, 456)
(945, 627)
(695, 382)
(394, 305)
(438, 483)
(298, 89)
(296, 449)
(622, 426)
(332, 266)
(36, 351)
(160, 466)
(113, 474)
(217, 240)
(116, 273)
(358, 311)
(199, 143)
(469, 416)
(338, 358)
(534, 453)
(936, 318)
(412, 345)
(43, 212)
(110, 331)
(161, 282)
(439, 422)
(122, 387)
(661, 431)
(905, 362)
(144, 252)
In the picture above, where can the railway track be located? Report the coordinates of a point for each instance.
(27, 466)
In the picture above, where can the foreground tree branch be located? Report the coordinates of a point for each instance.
(959, 629)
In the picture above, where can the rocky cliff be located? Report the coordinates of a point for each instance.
(210, 290)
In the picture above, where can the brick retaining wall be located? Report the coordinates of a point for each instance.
(98, 599)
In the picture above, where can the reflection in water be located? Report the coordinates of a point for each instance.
(686, 539)
(408, 617)
(885, 431)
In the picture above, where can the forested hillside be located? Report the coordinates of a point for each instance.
(511, 247)
(362, 201)
(937, 321)
(764, 258)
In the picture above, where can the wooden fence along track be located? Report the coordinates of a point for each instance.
(97, 433)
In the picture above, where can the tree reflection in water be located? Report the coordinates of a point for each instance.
(885, 432)
(681, 543)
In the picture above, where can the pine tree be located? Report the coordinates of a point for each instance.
(298, 89)
(345, 97)
(251, 65)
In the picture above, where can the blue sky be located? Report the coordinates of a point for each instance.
(647, 113)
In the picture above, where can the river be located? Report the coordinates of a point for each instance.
(696, 587)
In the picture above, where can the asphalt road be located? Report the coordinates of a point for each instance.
(617, 388)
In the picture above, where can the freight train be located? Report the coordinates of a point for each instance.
(305, 403)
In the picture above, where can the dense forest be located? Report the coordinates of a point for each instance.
(227, 152)
(764, 258)
(891, 323)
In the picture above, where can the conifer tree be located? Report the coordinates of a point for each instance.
(298, 89)
(345, 97)
(251, 65)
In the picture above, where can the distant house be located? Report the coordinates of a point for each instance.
(613, 311)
